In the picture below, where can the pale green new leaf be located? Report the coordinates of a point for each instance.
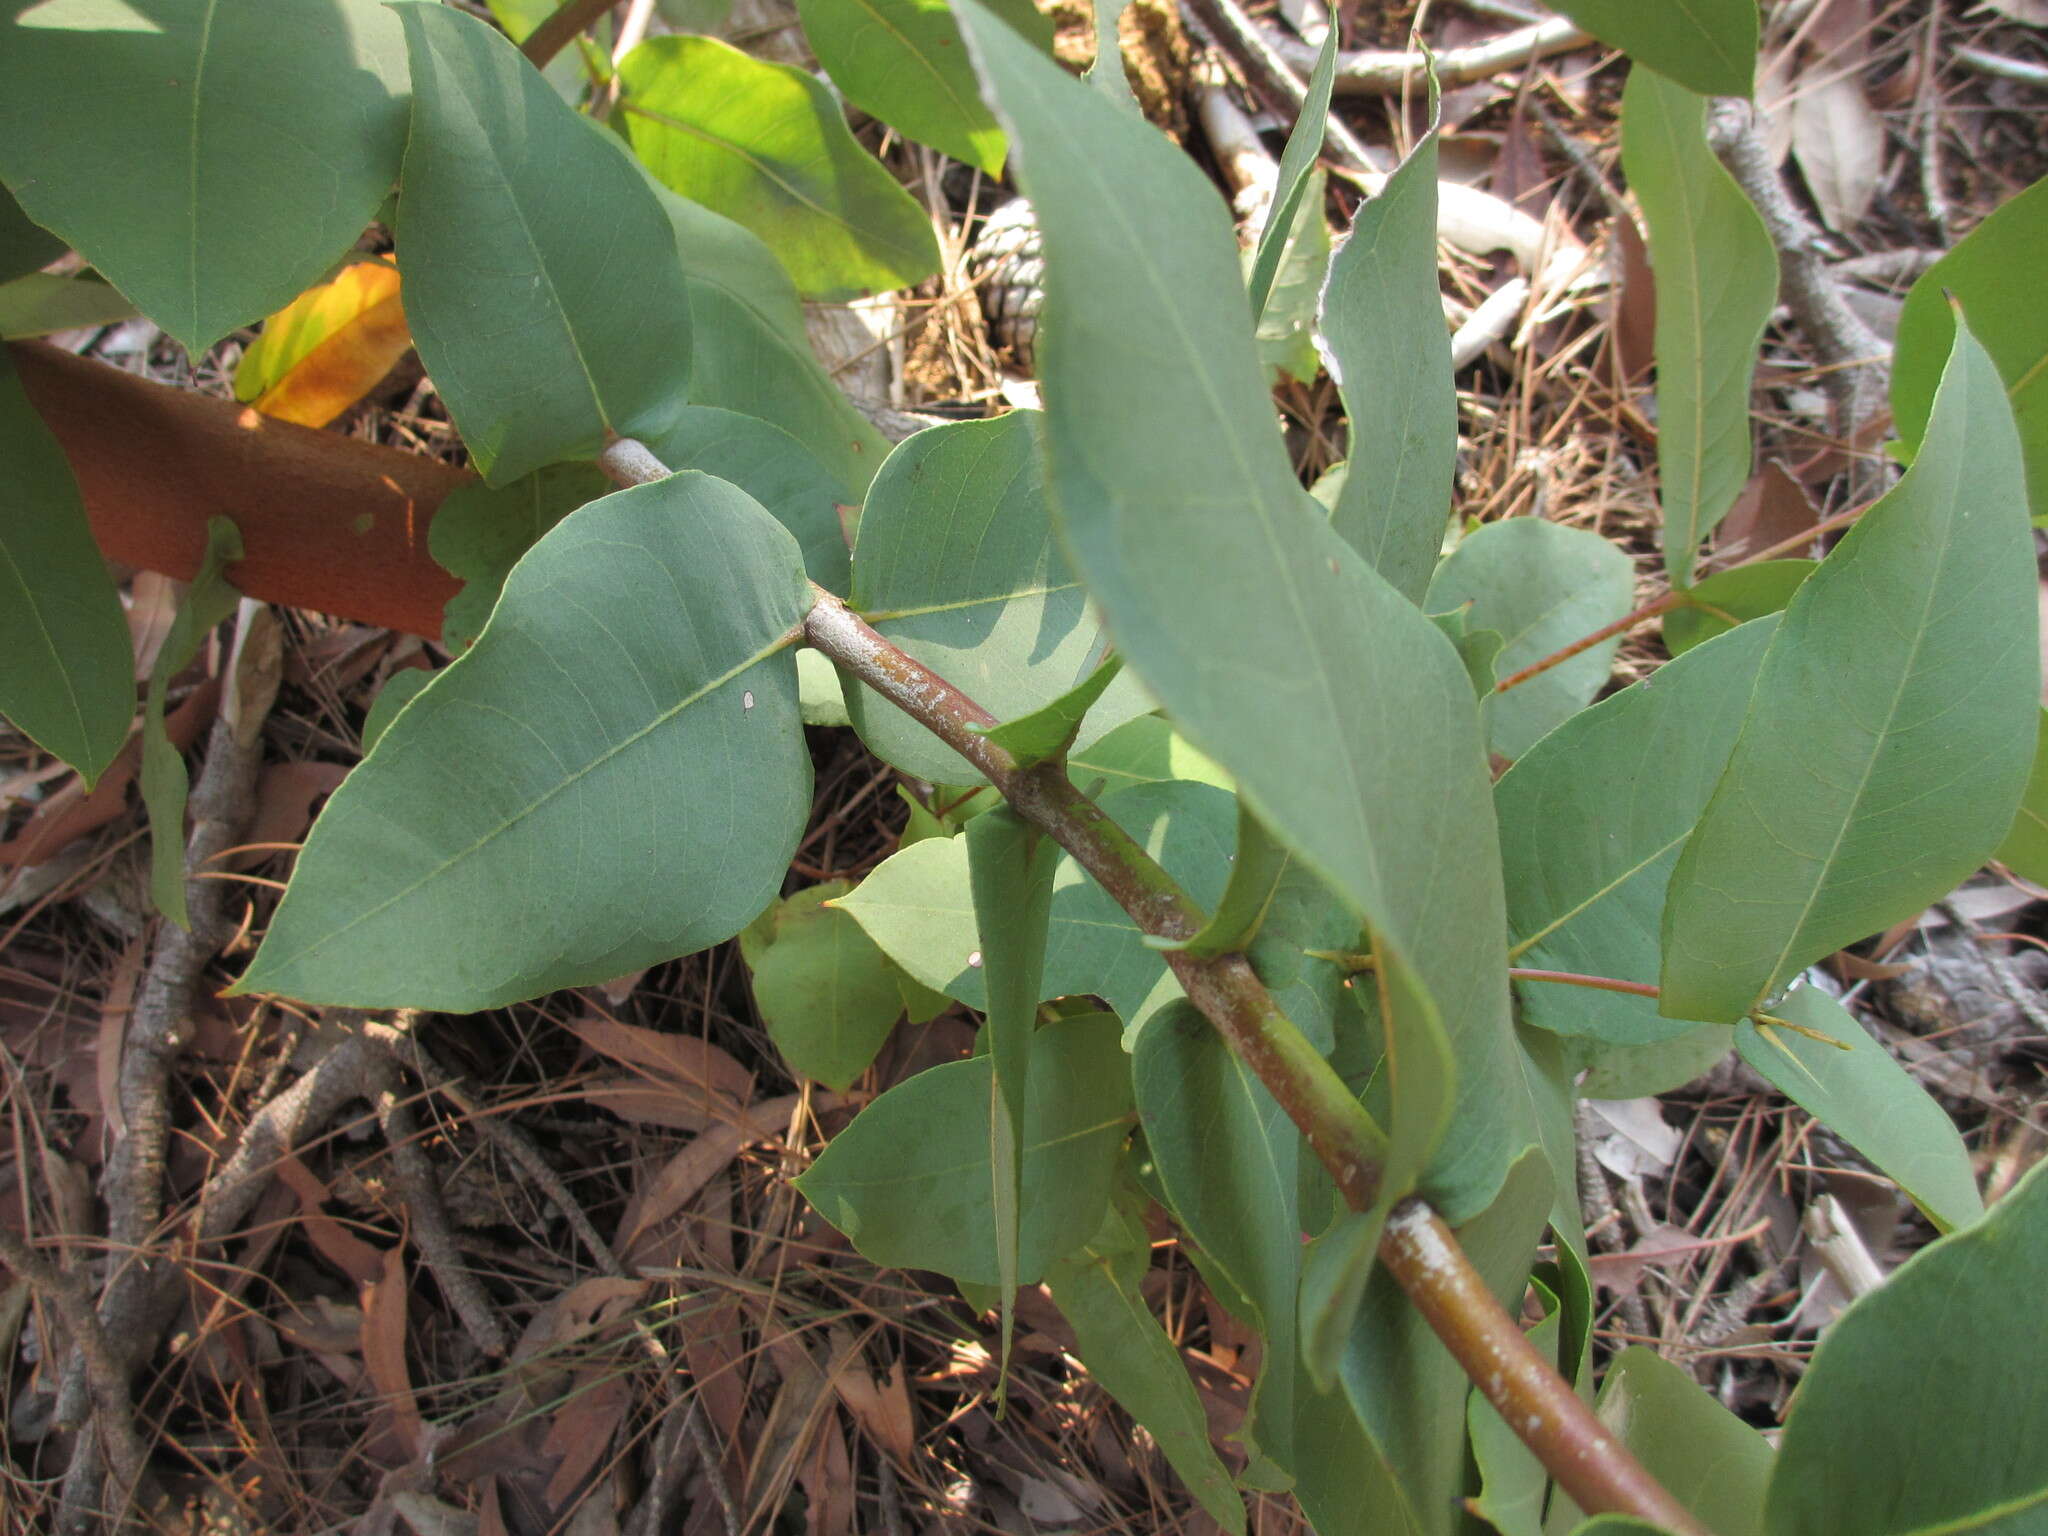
(1257, 871)
(903, 62)
(1709, 46)
(1287, 322)
(66, 679)
(1991, 273)
(1390, 351)
(1539, 586)
(1869, 1100)
(1146, 750)
(909, 1180)
(1512, 1481)
(2025, 848)
(1731, 597)
(776, 470)
(1128, 1354)
(1923, 1411)
(231, 151)
(613, 775)
(1592, 820)
(164, 784)
(766, 145)
(748, 349)
(1048, 730)
(541, 281)
(1295, 177)
(828, 996)
(1342, 712)
(956, 563)
(1892, 727)
(1717, 280)
(480, 531)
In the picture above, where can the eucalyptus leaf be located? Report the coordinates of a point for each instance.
(231, 154)
(828, 996)
(2025, 848)
(1287, 320)
(399, 690)
(1717, 281)
(1892, 727)
(1146, 750)
(1989, 274)
(613, 775)
(1512, 1482)
(1342, 712)
(1293, 182)
(1592, 820)
(38, 303)
(480, 531)
(1047, 731)
(1866, 1098)
(1539, 586)
(1389, 350)
(67, 681)
(1605, 1071)
(903, 62)
(207, 602)
(1130, 1357)
(1731, 597)
(1709, 46)
(542, 340)
(766, 145)
(776, 470)
(25, 246)
(957, 564)
(909, 1183)
(1922, 1411)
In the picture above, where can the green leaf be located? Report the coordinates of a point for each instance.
(902, 61)
(25, 246)
(1146, 750)
(1892, 727)
(1106, 70)
(1010, 865)
(1229, 1160)
(765, 144)
(613, 775)
(1342, 712)
(541, 339)
(956, 563)
(1421, 1081)
(1592, 820)
(243, 151)
(1257, 871)
(1923, 1410)
(748, 349)
(67, 680)
(207, 602)
(1709, 46)
(399, 690)
(1287, 322)
(1717, 281)
(818, 691)
(1869, 1100)
(909, 1182)
(828, 996)
(1712, 1463)
(1540, 587)
(1512, 1481)
(2025, 848)
(1389, 350)
(1604, 1071)
(1990, 274)
(776, 470)
(1728, 598)
(1124, 1348)
(1478, 649)
(480, 531)
(1048, 730)
(37, 304)
(1291, 185)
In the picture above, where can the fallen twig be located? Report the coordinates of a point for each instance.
(1386, 72)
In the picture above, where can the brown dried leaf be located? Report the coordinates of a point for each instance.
(582, 1432)
(286, 795)
(1836, 133)
(880, 1405)
(692, 1168)
(383, 1343)
(348, 1253)
(1771, 508)
(693, 1067)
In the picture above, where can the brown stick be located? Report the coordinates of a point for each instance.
(1420, 1252)
(554, 34)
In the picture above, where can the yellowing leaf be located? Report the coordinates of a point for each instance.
(328, 348)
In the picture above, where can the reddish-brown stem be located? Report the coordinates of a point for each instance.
(1574, 979)
(1620, 626)
(1418, 1249)
(554, 34)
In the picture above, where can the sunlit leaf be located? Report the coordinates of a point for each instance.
(827, 994)
(1717, 280)
(541, 338)
(244, 145)
(1707, 45)
(328, 348)
(903, 62)
(67, 679)
(766, 145)
(1892, 728)
(613, 775)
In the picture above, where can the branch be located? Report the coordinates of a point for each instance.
(1376, 72)
(554, 34)
(1418, 1249)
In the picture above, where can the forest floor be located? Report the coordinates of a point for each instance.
(461, 1305)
